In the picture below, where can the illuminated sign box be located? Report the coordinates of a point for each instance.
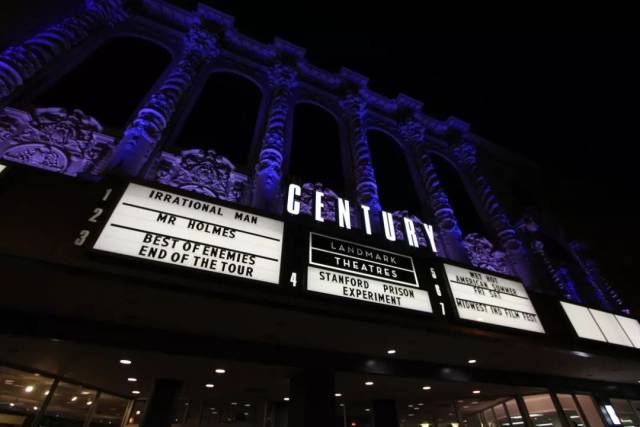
(161, 226)
(601, 326)
(351, 270)
(485, 298)
(2, 168)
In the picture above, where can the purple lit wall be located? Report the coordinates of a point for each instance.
(201, 41)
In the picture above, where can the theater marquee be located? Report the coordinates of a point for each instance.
(169, 228)
(486, 298)
(351, 270)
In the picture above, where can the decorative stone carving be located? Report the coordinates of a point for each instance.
(200, 171)
(398, 225)
(22, 62)
(307, 200)
(268, 171)
(466, 155)
(142, 135)
(483, 255)
(602, 290)
(55, 140)
(559, 273)
(412, 133)
(366, 186)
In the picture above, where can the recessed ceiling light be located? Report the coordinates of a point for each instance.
(391, 351)
(234, 403)
(410, 415)
(221, 371)
(369, 383)
(125, 362)
(472, 361)
(286, 399)
(426, 387)
(580, 354)
(476, 392)
(420, 404)
(247, 405)
(46, 393)
(85, 393)
(135, 392)
(29, 389)
(209, 385)
(35, 408)
(89, 403)
(367, 409)
(338, 395)
(138, 412)
(74, 398)
(12, 404)
(132, 380)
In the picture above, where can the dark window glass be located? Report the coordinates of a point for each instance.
(395, 185)
(111, 83)
(315, 150)
(223, 118)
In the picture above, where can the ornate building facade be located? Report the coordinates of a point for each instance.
(70, 142)
(205, 42)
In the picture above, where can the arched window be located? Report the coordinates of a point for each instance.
(111, 83)
(396, 188)
(223, 118)
(315, 150)
(468, 218)
(73, 126)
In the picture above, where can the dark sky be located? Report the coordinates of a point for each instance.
(567, 100)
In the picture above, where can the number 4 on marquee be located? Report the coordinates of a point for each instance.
(293, 279)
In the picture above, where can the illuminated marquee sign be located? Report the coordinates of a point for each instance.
(351, 270)
(165, 227)
(343, 218)
(486, 298)
(602, 326)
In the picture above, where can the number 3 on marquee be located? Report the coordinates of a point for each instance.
(82, 237)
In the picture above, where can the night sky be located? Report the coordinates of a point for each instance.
(566, 100)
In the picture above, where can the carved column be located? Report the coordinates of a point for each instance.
(20, 63)
(412, 132)
(602, 290)
(465, 155)
(559, 275)
(268, 171)
(365, 181)
(143, 134)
